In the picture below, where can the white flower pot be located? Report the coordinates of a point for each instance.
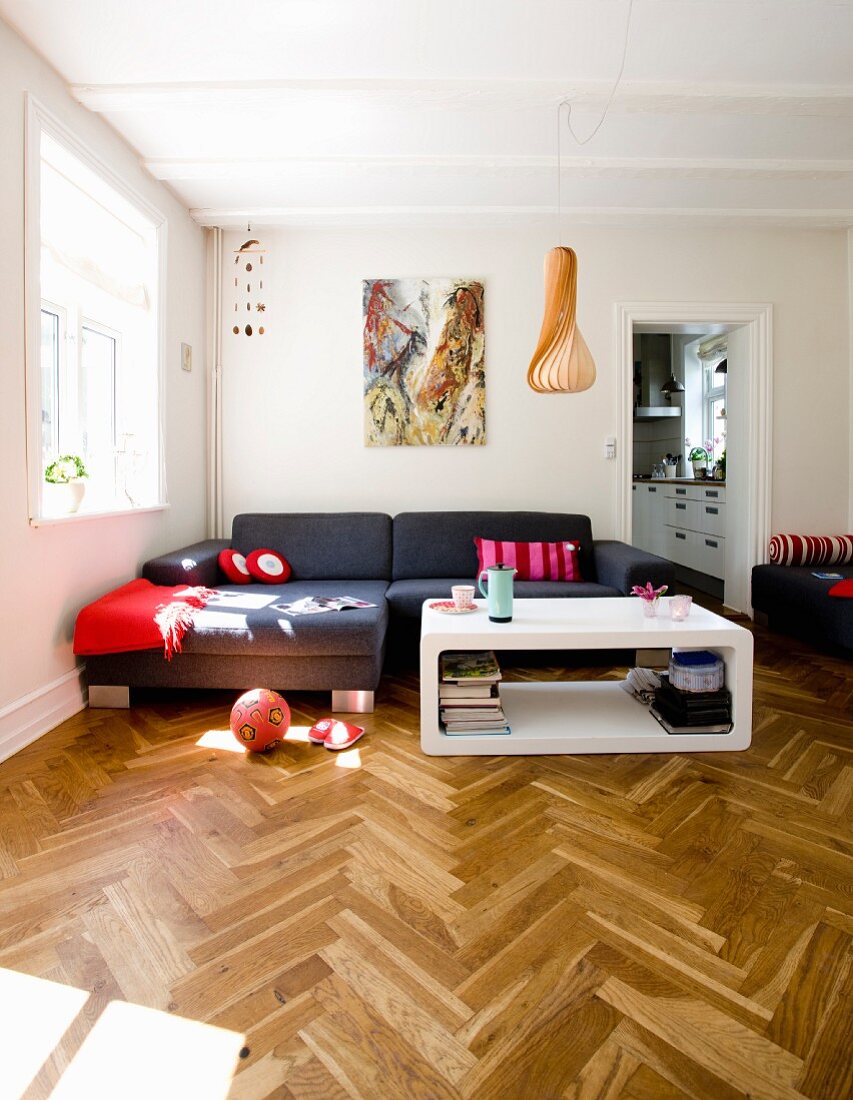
(65, 498)
(699, 464)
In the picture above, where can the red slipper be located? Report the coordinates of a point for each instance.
(342, 735)
(320, 730)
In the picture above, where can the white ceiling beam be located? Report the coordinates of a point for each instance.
(235, 168)
(509, 216)
(645, 97)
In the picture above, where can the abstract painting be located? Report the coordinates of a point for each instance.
(424, 362)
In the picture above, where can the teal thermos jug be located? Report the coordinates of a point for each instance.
(499, 592)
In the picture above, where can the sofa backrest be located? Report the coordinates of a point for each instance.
(441, 544)
(335, 546)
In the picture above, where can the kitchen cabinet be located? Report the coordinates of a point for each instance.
(683, 522)
(649, 517)
(696, 527)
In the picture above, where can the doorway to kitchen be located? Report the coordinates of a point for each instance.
(735, 517)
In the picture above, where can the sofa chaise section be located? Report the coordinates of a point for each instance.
(243, 638)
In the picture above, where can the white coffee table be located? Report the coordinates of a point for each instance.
(582, 716)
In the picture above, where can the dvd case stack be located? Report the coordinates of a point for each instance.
(685, 710)
(469, 695)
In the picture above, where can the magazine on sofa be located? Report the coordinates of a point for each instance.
(316, 605)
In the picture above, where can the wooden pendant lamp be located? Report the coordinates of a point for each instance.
(562, 362)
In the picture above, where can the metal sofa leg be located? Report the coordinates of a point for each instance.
(109, 695)
(353, 702)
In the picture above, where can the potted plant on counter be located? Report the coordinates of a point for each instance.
(66, 476)
(698, 457)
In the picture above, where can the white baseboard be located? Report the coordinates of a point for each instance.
(26, 719)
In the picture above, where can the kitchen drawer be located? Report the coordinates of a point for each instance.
(712, 517)
(682, 492)
(683, 548)
(682, 513)
(702, 491)
(711, 555)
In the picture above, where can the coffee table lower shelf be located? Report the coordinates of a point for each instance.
(575, 717)
(581, 716)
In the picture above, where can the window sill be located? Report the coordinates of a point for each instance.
(75, 517)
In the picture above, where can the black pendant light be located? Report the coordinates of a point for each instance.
(671, 386)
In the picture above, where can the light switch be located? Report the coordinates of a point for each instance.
(610, 446)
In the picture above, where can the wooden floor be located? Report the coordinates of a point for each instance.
(383, 924)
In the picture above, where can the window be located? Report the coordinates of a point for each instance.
(714, 406)
(94, 257)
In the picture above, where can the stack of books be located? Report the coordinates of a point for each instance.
(692, 711)
(469, 696)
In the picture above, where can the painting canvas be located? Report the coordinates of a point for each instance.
(424, 368)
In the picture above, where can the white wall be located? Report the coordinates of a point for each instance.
(293, 414)
(48, 573)
(850, 356)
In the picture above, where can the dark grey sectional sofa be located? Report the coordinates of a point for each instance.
(795, 601)
(241, 640)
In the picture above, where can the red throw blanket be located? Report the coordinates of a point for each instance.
(139, 615)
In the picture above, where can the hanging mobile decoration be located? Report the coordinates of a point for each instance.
(249, 260)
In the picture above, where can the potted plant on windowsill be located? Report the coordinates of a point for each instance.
(698, 457)
(66, 477)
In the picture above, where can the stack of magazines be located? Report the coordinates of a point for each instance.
(469, 696)
(642, 683)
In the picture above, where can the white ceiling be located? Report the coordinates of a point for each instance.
(438, 112)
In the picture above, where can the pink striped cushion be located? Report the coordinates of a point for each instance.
(811, 549)
(534, 561)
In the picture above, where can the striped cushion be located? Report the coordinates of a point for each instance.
(533, 561)
(811, 549)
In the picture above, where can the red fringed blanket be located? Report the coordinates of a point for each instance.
(139, 615)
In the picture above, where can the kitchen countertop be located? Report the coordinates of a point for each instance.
(680, 481)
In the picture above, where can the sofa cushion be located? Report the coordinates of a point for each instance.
(320, 545)
(246, 619)
(233, 566)
(811, 549)
(406, 597)
(441, 544)
(532, 561)
(268, 566)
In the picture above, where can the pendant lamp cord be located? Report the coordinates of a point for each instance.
(582, 141)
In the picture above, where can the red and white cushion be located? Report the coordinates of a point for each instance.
(533, 561)
(811, 549)
(268, 566)
(233, 565)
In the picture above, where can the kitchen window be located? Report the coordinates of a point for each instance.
(95, 252)
(714, 406)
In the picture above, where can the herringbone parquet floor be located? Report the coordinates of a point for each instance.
(388, 925)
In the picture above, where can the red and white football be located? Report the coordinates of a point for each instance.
(259, 719)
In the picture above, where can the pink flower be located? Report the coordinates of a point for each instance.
(648, 591)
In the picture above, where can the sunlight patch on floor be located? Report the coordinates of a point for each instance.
(225, 740)
(220, 739)
(298, 734)
(139, 1053)
(36, 1015)
(348, 758)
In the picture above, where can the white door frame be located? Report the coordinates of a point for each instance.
(758, 447)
